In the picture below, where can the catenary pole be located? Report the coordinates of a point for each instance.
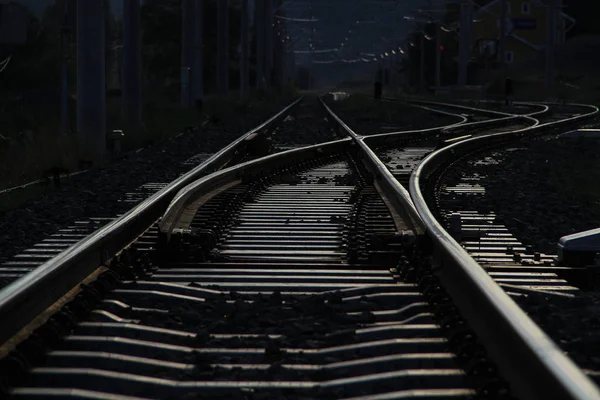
(466, 23)
(551, 43)
(65, 44)
(132, 67)
(503, 33)
(269, 44)
(187, 36)
(422, 63)
(223, 46)
(438, 55)
(91, 79)
(245, 51)
(198, 56)
(259, 28)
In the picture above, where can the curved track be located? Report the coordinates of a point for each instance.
(454, 254)
(309, 272)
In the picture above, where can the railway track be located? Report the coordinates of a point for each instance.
(301, 274)
(253, 144)
(403, 151)
(495, 246)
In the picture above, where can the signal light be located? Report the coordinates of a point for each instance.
(442, 47)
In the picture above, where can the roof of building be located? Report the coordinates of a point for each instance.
(539, 2)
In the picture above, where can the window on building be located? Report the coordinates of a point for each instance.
(507, 7)
(526, 8)
(509, 56)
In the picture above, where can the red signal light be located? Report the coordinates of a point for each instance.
(442, 47)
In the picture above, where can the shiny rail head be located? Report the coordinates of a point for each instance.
(24, 299)
(392, 188)
(187, 201)
(532, 362)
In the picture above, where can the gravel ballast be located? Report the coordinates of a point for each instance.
(367, 117)
(543, 189)
(96, 193)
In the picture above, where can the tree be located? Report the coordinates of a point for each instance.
(161, 27)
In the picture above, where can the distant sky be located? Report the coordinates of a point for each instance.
(382, 26)
(38, 6)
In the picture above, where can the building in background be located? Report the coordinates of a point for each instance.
(526, 31)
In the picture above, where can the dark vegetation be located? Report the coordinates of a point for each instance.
(30, 140)
(100, 191)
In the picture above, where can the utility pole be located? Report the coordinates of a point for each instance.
(269, 41)
(551, 43)
(282, 44)
(503, 33)
(91, 79)
(244, 61)
(422, 66)
(259, 27)
(223, 46)
(279, 46)
(187, 37)
(198, 57)
(438, 55)
(391, 80)
(466, 24)
(292, 61)
(132, 67)
(65, 45)
(312, 50)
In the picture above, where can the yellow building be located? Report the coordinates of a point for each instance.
(526, 23)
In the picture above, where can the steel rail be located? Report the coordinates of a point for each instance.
(545, 108)
(187, 195)
(501, 119)
(23, 300)
(529, 116)
(504, 117)
(384, 137)
(408, 100)
(535, 366)
(463, 118)
(400, 198)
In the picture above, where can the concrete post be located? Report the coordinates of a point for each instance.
(65, 44)
(438, 55)
(466, 23)
(187, 36)
(259, 27)
(198, 62)
(269, 41)
(312, 54)
(503, 33)
(223, 46)
(64, 97)
(551, 43)
(132, 67)
(245, 52)
(91, 79)
(422, 83)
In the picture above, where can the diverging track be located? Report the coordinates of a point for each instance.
(306, 273)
